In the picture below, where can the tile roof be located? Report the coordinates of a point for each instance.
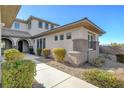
(14, 33)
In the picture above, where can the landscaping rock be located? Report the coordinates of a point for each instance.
(75, 58)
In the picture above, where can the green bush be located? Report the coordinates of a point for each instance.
(39, 50)
(18, 74)
(59, 54)
(46, 52)
(13, 54)
(102, 78)
(120, 58)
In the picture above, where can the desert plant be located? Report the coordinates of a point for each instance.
(102, 78)
(13, 54)
(18, 74)
(120, 58)
(46, 52)
(97, 62)
(39, 50)
(59, 54)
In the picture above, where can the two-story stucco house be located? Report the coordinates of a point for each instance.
(82, 35)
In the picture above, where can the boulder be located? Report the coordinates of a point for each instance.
(74, 58)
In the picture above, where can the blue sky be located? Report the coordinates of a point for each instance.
(109, 18)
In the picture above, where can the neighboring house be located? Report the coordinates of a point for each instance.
(82, 35)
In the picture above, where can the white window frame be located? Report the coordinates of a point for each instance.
(91, 38)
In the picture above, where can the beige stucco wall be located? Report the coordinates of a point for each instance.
(77, 33)
(34, 27)
(23, 26)
(92, 54)
(80, 33)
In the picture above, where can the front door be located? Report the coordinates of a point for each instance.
(20, 46)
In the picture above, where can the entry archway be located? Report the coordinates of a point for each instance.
(23, 45)
(6, 44)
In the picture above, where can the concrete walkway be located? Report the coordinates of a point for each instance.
(50, 77)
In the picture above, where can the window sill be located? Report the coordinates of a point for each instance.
(91, 49)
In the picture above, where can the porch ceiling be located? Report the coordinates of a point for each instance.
(8, 14)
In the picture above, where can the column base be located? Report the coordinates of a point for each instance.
(1, 58)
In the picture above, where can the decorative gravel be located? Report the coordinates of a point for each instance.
(114, 67)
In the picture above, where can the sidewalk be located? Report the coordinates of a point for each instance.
(50, 77)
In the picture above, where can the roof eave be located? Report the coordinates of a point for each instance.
(9, 13)
(101, 32)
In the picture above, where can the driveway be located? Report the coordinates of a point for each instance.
(50, 77)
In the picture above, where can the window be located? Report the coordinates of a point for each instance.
(29, 25)
(68, 35)
(17, 26)
(56, 38)
(91, 41)
(61, 37)
(46, 25)
(40, 24)
(52, 26)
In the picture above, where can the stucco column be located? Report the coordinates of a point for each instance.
(1, 24)
(0, 33)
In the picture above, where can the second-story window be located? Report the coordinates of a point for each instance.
(46, 25)
(17, 26)
(40, 24)
(52, 26)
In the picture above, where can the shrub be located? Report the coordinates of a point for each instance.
(102, 78)
(46, 52)
(98, 62)
(120, 58)
(31, 51)
(39, 50)
(18, 74)
(13, 54)
(59, 54)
